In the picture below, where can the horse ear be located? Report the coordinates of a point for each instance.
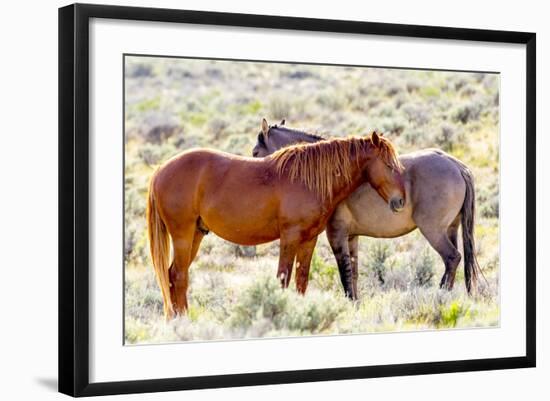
(282, 122)
(265, 127)
(375, 139)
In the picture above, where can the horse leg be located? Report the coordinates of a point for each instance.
(287, 254)
(440, 241)
(452, 233)
(303, 262)
(338, 240)
(199, 235)
(182, 243)
(353, 244)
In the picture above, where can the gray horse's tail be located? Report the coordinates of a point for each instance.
(472, 271)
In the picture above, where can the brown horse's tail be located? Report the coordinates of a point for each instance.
(472, 271)
(159, 243)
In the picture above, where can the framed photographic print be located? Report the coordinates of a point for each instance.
(250, 199)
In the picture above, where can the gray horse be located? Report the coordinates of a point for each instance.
(440, 196)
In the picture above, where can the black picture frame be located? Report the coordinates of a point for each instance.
(74, 198)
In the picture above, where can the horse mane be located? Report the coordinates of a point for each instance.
(322, 165)
(299, 132)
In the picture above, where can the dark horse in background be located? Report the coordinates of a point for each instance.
(288, 195)
(440, 196)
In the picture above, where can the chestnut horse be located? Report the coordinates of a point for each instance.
(289, 195)
(440, 197)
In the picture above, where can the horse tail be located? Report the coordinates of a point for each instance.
(159, 243)
(472, 271)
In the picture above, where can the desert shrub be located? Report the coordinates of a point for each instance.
(423, 269)
(185, 329)
(460, 82)
(377, 257)
(245, 251)
(419, 307)
(160, 133)
(138, 70)
(147, 105)
(263, 299)
(399, 101)
(296, 73)
(315, 313)
(323, 274)
(413, 86)
(488, 201)
(387, 110)
(432, 307)
(135, 242)
(430, 92)
(216, 261)
(373, 102)
(216, 127)
(447, 136)
(136, 331)
(397, 279)
(153, 155)
(214, 72)
(265, 307)
(238, 144)
(393, 90)
(331, 101)
(467, 112)
(209, 296)
(279, 108)
(417, 114)
(143, 298)
(468, 91)
(413, 136)
(392, 126)
(177, 72)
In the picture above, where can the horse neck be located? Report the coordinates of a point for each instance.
(341, 190)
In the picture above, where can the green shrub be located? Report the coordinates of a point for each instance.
(263, 299)
(315, 313)
(451, 313)
(423, 267)
(264, 306)
(148, 105)
(430, 91)
(377, 256)
(324, 274)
